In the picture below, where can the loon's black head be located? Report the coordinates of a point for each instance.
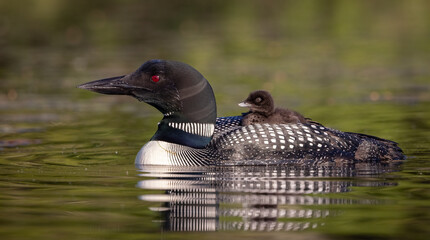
(176, 89)
(259, 101)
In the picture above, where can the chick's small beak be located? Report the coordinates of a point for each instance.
(244, 104)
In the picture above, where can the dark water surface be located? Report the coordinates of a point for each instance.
(67, 155)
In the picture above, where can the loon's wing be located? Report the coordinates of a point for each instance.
(224, 125)
(296, 143)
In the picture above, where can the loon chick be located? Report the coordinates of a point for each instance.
(262, 110)
(190, 134)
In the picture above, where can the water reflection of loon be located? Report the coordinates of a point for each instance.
(251, 198)
(190, 134)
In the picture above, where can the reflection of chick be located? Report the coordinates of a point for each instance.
(262, 110)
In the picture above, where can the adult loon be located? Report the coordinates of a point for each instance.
(262, 110)
(190, 134)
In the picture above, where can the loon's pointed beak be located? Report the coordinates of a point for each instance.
(113, 85)
(244, 104)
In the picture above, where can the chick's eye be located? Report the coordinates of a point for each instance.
(155, 78)
(257, 100)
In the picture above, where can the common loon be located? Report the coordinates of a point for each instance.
(190, 134)
(262, 110)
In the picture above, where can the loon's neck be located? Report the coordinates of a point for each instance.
(174, 128)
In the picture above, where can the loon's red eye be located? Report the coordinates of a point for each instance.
(155, 78)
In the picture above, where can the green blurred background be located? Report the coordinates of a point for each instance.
(325, 50)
